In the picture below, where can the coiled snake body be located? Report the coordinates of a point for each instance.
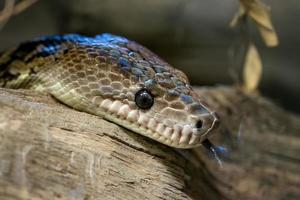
(115, 78)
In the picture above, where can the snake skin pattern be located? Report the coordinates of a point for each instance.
(101, 76)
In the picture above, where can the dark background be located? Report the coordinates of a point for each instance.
(193, 36)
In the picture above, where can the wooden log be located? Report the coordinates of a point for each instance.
(264, 146)
(50, 151)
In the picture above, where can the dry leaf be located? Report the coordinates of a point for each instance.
(252, 69)
(260, 14)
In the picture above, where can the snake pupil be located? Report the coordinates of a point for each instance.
(199, 124)
(144, 99)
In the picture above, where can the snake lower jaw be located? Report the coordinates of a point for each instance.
(184, 142)
(137, 121)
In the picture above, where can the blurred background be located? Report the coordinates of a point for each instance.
(192, 35)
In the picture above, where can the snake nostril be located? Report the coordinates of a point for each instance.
(199, 124)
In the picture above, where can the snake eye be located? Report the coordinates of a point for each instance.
(144, 99)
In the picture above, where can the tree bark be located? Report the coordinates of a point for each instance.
(50, 151)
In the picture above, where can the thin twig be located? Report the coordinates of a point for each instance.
(7, 12)
(23, 5)
(12, 8)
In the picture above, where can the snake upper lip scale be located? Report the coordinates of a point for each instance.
(115, 78)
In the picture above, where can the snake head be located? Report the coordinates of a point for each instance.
(128, 84)
(179, 117)
(156, 100)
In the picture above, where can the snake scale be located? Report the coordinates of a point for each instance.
(115, 78)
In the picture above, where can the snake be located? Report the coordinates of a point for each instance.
(117, 79)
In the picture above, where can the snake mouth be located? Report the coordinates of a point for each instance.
(178, 136)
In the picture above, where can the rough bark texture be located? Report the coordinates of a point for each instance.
(50, 151)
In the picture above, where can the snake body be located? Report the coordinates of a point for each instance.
(101, 75)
